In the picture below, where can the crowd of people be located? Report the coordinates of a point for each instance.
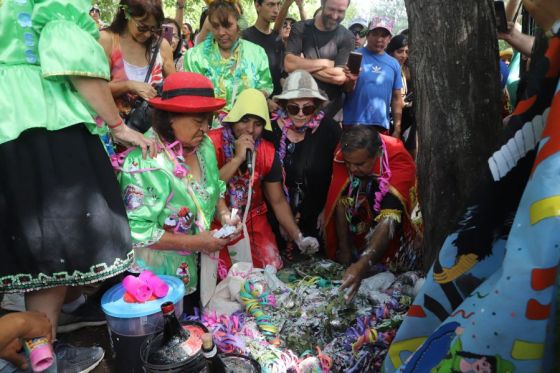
(127, 147)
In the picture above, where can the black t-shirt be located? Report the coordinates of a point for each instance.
(309, 164)
(333, 45)
(275, 174)
(274, 48)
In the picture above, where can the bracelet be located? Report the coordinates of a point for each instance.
(119, 123)
(555, 29)
(367, 252)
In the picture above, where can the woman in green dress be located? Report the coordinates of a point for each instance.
(231, 63)
(62, 221)
(172, 199)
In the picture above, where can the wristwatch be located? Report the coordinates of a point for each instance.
(180, 6)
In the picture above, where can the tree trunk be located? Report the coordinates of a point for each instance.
(454, 64)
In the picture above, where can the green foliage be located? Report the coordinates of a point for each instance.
(503, 45)
(393, 9)
(193, 9)
(108, 9)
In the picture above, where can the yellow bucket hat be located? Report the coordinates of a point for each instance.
(506, 52)
(249, 102)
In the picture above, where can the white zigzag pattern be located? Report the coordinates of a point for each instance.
(524, 140)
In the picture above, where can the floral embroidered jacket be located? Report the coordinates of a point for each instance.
(157, 201)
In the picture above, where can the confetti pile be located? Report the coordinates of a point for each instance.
(306, 326)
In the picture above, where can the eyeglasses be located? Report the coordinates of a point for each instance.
(294, 109)
(145, 28)
(287, 25)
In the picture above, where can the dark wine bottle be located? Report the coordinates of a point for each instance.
(173, 332)
(172, 348)
(210, 352)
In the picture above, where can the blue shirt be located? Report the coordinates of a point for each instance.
(504, 73)
(370, 102)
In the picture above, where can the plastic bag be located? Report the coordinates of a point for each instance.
(225, 299)
(380, 282)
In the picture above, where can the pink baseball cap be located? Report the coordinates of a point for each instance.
(382, 22)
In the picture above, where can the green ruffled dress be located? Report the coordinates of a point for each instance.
(158, 201)
(42, 44)
(62, 221)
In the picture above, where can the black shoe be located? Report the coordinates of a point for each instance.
(71, 359)
(88, 314)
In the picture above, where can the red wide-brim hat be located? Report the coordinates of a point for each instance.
(186, 92)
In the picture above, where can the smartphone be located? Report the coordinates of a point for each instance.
(501, 19)
(168, 33)
(354, 62)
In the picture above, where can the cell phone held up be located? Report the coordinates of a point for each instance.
(501, 19)
(354, 62)
(167, 33)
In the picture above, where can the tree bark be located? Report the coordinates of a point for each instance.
(454, 65)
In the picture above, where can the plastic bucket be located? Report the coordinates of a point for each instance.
(130, 324)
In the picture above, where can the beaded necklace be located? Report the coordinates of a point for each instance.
(220, 67)
(354, 188)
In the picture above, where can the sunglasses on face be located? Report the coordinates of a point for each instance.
(145, 28)
(287, 25)
(294, 109)
(359, 33)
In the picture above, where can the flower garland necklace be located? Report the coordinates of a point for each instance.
(289, 124)
(177, 157)
(175, 153)
(238, 185)
(383, 181)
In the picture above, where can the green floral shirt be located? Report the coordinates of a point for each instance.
(157, 201)
(246, 68)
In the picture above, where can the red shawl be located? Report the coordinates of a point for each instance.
(401, 184)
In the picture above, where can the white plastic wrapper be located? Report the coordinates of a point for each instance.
(380, 282)
(376, 297)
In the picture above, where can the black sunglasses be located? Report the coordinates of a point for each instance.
(361, 33)
(294, 109)
(287, 24)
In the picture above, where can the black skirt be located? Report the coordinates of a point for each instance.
(62, 218)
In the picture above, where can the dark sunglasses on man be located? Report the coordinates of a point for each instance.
(359, 32)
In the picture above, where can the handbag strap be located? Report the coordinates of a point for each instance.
(155, 51)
